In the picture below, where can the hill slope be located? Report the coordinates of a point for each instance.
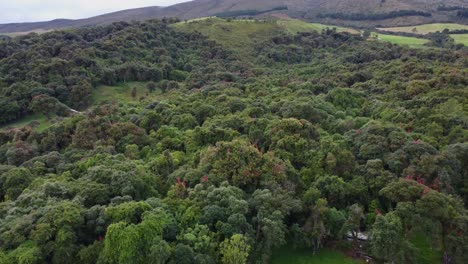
(125, 15)
(307, 9)
(183, 149)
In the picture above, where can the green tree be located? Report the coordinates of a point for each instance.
(387, 240)
(235, 250)
(184, 254)
(135, 243)
(151, 86)
(13, 182)
(352, 225)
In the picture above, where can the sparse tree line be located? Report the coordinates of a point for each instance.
(462, 12)
(376, 16)
(249, 12)
(450, 8)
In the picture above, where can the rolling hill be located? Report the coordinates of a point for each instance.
(345, 12)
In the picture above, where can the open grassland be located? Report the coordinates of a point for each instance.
(15, 34)
(305, 256)
(426, 28)
(123, 93)
(293, 26)
(241, 35)
(237, 35)
(460, 38)
(38, 121)
(401, 40)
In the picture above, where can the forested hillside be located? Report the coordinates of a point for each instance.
(361, 13)
(220, 153)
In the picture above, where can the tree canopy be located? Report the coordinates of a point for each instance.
(322, 135)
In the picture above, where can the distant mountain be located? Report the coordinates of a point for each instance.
(125, 15)
(349, 12)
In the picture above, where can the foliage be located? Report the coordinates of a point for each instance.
(288, 255)
(309, 138)
(375, 16)
(249, 12)
(235, 250)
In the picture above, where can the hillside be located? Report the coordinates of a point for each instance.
(193, 147)
(242, 36)
(304, 9)
(125, 15)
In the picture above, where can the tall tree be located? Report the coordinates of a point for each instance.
(352, 225)
(387, 240)
(235, 250)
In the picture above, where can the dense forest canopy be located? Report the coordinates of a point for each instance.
(313, 138)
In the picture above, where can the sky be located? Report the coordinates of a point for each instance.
(12, 11)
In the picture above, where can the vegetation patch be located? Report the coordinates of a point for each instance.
(427, 28)
(460, 38)
(241, 35)
(427, 251)
(130, 92)
(38, 122)
(311, 139)
(305, 256)
(374, 16)
(294, 26)
(250, 12)
(401, 40)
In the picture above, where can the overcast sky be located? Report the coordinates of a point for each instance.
(42, 10)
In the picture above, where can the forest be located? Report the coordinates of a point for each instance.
(307, 140)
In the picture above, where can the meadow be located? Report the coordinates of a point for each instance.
(401, 40)
(460, 38)
(293, 26)
(38, 121)
(248, 32)
(123, 93)
(427, 28)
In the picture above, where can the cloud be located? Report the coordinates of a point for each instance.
(41, 10)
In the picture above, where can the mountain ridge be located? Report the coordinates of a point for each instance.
(303, 9)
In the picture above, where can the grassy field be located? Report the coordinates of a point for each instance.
(120, 93)
(15, 34)
(304, 256)
(123, 93)
(401, 40)
(247, 32)
(242, 35)
(460, 38)
(42, 122)
(293, 26)
(426, 28)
